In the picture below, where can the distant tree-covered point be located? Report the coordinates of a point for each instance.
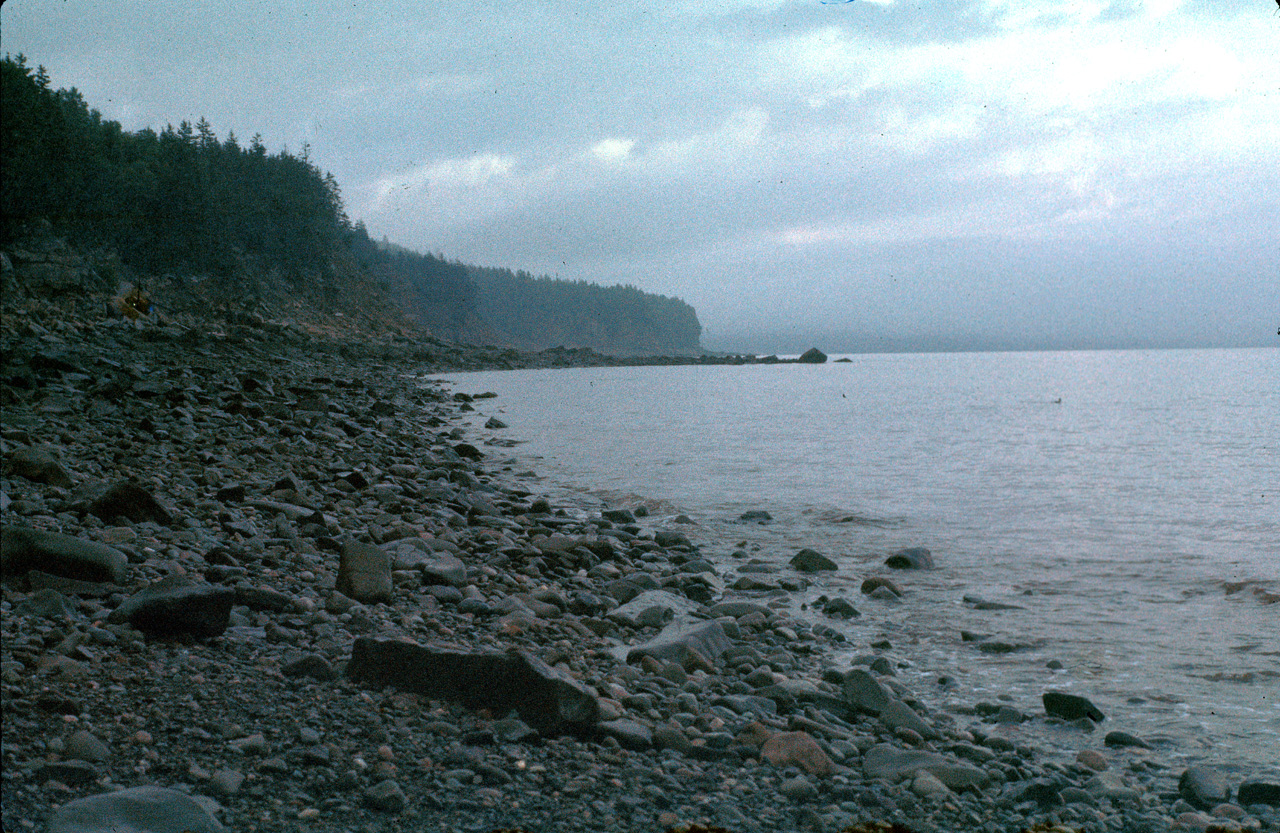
(538, 312)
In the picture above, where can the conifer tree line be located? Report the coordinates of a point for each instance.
(183, 200)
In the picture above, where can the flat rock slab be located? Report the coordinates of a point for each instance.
(135, 810)
(550, 702)
(894, 764)
(61, 555)
(678, 640)
(176, 606)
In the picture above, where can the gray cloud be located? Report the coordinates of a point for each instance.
(975, 172)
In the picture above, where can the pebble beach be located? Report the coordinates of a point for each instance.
(260, 579)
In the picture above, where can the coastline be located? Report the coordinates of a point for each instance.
(264, 460)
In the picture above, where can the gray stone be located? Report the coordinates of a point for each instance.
(911, 558)
(308, 665)
(736, 608)
(863, 692)
(811, 561)
(135, 810)
(387, 797)
(812, 356)
(1124, 739)
(1204, 787)
(893, 764)
(898, 715)
(548, 700)
(364, 573)
(47, 604)
(628, 733)
(630, 612)
(1258, 792)
(61, 555)
(798, 788)
(1070, 706)
(127, 499)
(38, 466)
(677, 641)
(175, 606)
(437, 568)
(84, 746)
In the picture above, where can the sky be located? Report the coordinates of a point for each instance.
(873, 174)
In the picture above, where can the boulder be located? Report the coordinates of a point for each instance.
(681, 641)
(864, 693)
(134, 810)
(128, 500)
(1204, 787)
(812, 356)
(911, 558)
(548, 700)
(1258, 792)
(628, 733)
(1070, 707)
(811, 561)
(22, 550)
(176, 606)
(669, 604)
(797, 749)
(38, 466)
(871, 585)
(364, 573)
(437, 568)
(898, 715)
(893, 764)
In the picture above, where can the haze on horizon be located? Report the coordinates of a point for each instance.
(874, 174)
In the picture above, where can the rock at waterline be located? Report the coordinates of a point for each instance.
(1071, 707)
(911, 558)
(811, 561)
(22, 550)
(139, 809)
(1204, 787)
(755, 516)
(812, 356)
(863, 692)
(893, 764)
(549, 701)
(177, 606)
(871, 585)
(1124, 739)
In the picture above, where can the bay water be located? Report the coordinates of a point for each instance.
(1125, 505)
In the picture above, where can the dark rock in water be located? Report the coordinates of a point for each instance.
(812, 356)
(135, 810)
(494, 424)
(618, 516)
(840, 607)
(468, 452)
(1204, 787)
(176, 606)
(549, 701)
(1070, 707)
(911, 558)
(129, 500)
(38, 466)
(756, 516)
(1258, 792)
(1042, 791)
(811, 561)
(62, 555)
(863, 692)
(982, 604)
(671, 538)
(679, 642)
(1124, 739)
(364, 573)
(875, 583)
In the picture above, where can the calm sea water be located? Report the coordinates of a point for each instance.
(1128, 503)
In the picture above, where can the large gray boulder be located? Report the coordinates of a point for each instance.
(548, 700)
(364, 573)
(1070, 706)
(864, 693)
(177, 606)
(23, 549)
(893, 764)
(1204, 787)
(135, 810)
(812, 356)
(677, 642)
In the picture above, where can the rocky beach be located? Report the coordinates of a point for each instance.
(261, 578)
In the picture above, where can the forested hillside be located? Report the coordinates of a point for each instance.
(621, 320)
(243, 230)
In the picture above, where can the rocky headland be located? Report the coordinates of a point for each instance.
(259, 577)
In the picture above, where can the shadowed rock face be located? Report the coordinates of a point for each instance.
(22, 550)
(176, 606)
(1071, 707)
(545, 699)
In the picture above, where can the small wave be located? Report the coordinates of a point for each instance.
(862, 520)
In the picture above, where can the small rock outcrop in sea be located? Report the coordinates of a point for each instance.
(812, 356)
(911, 558)
(1070, 706)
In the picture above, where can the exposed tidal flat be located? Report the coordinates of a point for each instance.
(265, 583)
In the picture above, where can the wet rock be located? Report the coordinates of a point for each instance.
(871, 585)
(309, 665)
(437, 568)
(929, 787)
(893, 764)
(546, 699)
(811, 561)
(62, 555)
(1204, 787)
(135, 810)
(127, 499)
(1125, 740)
(1070, 707)
(39, 466)
(71, 773)
(911, 558)
(759, 516)
(628, 733)
(364, 573)
(177, 606)
(798, 749)
(798, 788)
(898, 715)
(1258, 792)
(841, 608)
(864, 693)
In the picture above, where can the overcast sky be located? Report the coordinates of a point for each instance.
(852, 174)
